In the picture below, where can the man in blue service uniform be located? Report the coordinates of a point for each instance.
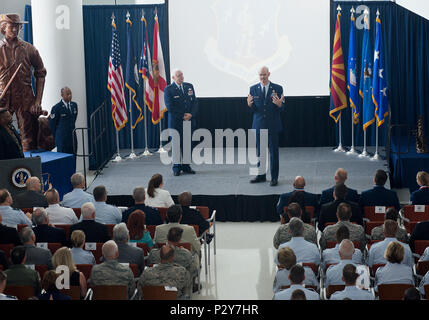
(62, 122)
(266, 101)
(182, 105)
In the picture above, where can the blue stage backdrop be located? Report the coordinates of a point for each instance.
(406, 48)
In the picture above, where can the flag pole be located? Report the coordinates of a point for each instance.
(132, 154)
(146, 150)
(352, 151)
(340, 145)
(364, 153)
(376, 156)
(118, 155)
(161, 149)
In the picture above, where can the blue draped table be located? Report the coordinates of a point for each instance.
(59, 166)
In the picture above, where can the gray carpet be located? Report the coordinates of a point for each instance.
(317, 165)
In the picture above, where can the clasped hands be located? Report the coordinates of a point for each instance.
(187, 116)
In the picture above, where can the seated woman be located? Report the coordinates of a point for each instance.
(156, 196)
(63, 257)
(137, 229)
(394, 272)
(51, 290)
(80, 256)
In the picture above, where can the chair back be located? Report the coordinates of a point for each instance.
(413, 213)
(369, 225)
(163, 213)
(6, 248)
(144, 247)
(196, 228)
(422, 267)
(334, 288)
(420, 246)
(410, 226)
(370, 243)
(375, 267)
(426, 290)
(85, 269)
(20, 226)
(158, 293)
(77, 212)
(29, 210)
(73, 292)
(21, 292)
(110, 292)
(313, 266)
(135, 269)
(66, 228)
(97, 252)
(205, 211)
(110, 229)
(151, 230)
(392, 291)
(375, 213)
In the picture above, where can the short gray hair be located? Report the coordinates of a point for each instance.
(39, 216)
(120, 233)
(109, 250)
(346, 248)
(77, 179)
(26, 234)
(87, 210)
(139, 194)
(296, 227)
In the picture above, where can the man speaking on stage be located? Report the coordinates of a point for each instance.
(266, 100)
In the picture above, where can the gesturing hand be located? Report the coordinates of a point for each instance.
(249, 100)
(278, 101)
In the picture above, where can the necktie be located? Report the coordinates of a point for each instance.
(264, 92)
(181, 88)
(68, 107)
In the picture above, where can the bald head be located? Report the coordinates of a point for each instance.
(177, 76)
(299, 182)
(66, 94)
(340, 175)
(52, 196)
(110, 250)
(33, 183)
(264, 74)
(346, 249)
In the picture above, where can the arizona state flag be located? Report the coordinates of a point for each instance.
(338, 79)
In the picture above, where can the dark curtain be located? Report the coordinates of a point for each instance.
(405, 39)
(98, 39)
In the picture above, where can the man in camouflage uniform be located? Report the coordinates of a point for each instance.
(182, 256)
(167, 274)
(111, 272)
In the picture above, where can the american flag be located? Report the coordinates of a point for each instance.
(115, 83)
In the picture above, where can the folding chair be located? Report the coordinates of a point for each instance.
(151, 230)
(66, 228)
(420, 246)
(51, 246)
(313, 266)
(392, 291)
(332, 289)
(212, 220)
(85, 269)
(414, 213)
(370, 243)
(73, 292)
(158, 293)
(109, 292)
(77, 212)
(163, 213)
(110, 229)
(369, 225)
(20, 226)
(95, 248)
(374, 213)
(6, 248)
(422, 267)
(375, 267)
(21, 292)
(410, 226)
(144, 247)
(41, 269)
(135, 269)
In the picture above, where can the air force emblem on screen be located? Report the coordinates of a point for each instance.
(247, 38)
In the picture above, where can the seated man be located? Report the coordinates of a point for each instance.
(174, 216)
(34, 255)
(344, 214)
(296, 277)
(18, 274)
(127, 253)
(378, 232)
(167, 273)
(8, 234)
(153, 217)
(421, 196)
(111, 272)
(339, 177)
(4, 297)
(328, 211)
(56, 213)
(376, 252)
(192, 216)
(351, 291)
(305, 252)
(287, 260)
(310, 199)
(94, 231)
(77, 197)
(335, 272)
(283, 233)
(424, 282)
(106, 213)
(44, 232)
(379, 195)
(12, 217)
(32, 197)
(420, 232)
(182, 256)
(332, 255)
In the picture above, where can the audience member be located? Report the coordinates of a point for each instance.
(3, 279)
(394, 271)
(80, 256)
(305, 252)
(50, 287)
(136, 226)
(43, 231)
(310, 199)
(378, 232)
(332, 255)
(111, 272)
(376, 253)
(94, 231)
(10, 216)
(421, 196)
(77, 197)
(56, 213)
(283, 234)
(153, 217)
(106, 213)
(174, 216)
(420, 232)
(344, 214)
(34, 255)
(156, 196)
(299, 198)
(351, 291)
(328, 211)
(424, 282)
(192, 216)
(298, 294)
(379, 195)
(8, 234)
(18, 274)
(167, 273)
(63, 257)
(127, 253)
(32, 197)
(296, 277)
(287, 260)
(412, 294)
(328, 194)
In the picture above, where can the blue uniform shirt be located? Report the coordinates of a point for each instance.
(12, 217)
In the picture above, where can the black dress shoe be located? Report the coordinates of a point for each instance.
(273, 183)
(177, 173)
(258, 179)
(190, 171)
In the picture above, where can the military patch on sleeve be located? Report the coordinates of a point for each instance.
(52, 115)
